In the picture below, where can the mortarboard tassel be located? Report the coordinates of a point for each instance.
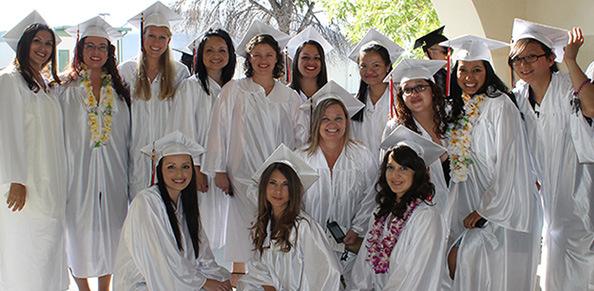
(142, 31)
(76, 48)
(449, 72)
(392, 104)
(153, 165)
(194, 60)
(288, 66)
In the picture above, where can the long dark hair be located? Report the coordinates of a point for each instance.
(199, 67)
(362, 93)
(405, 116)
(421, 187)
(279, 66)
(22, 62)
(281, 229)
(296, 76)
(491, 88)
(189, 197)
(110, 67)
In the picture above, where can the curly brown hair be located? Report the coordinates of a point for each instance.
(280, 229)
(279, 66)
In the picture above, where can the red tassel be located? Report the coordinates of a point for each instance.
(153, 165)
(288, 65)
(449, 72)
(194, 60)
(392, 103)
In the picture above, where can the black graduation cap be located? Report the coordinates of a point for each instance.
(430, 39)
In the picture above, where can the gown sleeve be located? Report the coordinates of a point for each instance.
(206, 261)
(219, 132)
(416, 264)
(321, 270)
(367, 201)
(508, 200)
(582, 134)
(362, 274)
(13, 157)
(153, 249)
(259, 275)
(182, 113)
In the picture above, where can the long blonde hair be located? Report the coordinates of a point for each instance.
(316, 122)
(142, 88)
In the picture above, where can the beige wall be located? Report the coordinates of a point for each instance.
(494, 19)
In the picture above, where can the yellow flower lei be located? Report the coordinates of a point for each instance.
(459, 138)
(104, 108)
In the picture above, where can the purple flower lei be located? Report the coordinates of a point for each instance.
(380, 248)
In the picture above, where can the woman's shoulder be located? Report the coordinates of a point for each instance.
(149, 198)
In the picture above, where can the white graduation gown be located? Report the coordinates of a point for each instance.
(149, 121)
(310, 265)
(246, 127)
(417, 259)
(344, 195)
(97, 184)
(148, 257)
(500, 187)
(562, 143)
(191, 113)
(375, 117)
(435, 169)
(32, 153)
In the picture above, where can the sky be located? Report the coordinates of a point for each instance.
(70, 12)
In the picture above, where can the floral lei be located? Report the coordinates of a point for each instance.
(459, 135)
(379, 247)
(104, 108)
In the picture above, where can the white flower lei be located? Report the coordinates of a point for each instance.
(104, 108)
(459, 138)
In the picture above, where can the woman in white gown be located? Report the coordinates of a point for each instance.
(405, 244)
(492, 179)
(32, 164)
(374, 55)
(558, 109)
(191, 112)
(163, 245)
(152, 77)
(420, 106)
(97, 134)
(292, 252)
(347, 170)
(250, 119)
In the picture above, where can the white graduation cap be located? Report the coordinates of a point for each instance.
(425, 148)
(375, 37)
(473, 48)
(95, 26)
(256, 28)
(410, 69)
(174, 143)
(13, 36)
(552, 37)
(334, 91)
(282, 154)
(309, 33)
(156, 15)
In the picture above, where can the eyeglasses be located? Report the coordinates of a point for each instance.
(416, 89)
(92, 47)
(529, 59)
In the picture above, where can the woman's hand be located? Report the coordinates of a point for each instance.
(201, 180)
(471, 220)
(352, 241)
(16, 196)
(214, 285)
(222, 182)
(576, 40)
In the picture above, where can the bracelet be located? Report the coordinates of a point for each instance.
(577, 92)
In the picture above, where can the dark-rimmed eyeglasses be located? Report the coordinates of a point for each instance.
(407, 91)
(529, 59)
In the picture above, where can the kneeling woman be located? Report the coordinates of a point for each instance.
(157, 250)
(404, 247)
(292, 252)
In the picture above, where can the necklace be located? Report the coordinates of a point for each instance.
(99, 110)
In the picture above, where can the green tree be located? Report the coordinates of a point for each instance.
(401, 20)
